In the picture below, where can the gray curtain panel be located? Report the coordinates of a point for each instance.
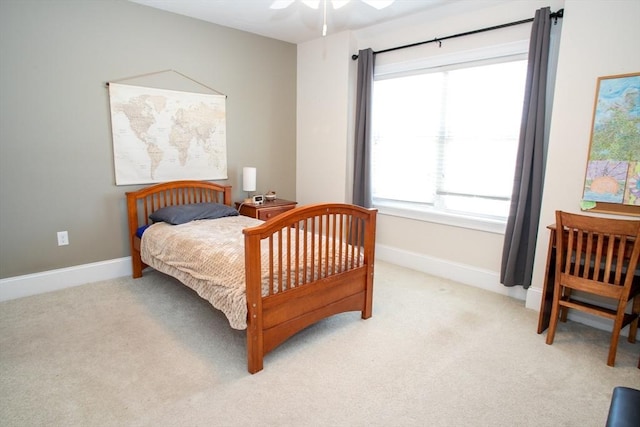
(362, 155)
(526, 198)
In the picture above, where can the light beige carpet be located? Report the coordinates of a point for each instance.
(149, 352)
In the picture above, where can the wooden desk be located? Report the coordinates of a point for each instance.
(549, 280)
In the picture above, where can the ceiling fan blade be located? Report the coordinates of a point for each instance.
(337, 4)
(313, 4)
(281, 4)
(378, 4)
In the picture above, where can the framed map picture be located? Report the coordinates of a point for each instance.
(164, 135)
(612, 178)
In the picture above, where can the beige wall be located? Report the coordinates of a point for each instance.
(599, 37)
(56, 160)
(323, 119)
(427, 246)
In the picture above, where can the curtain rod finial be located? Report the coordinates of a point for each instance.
(556, 15)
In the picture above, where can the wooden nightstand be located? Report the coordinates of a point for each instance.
(267, 210)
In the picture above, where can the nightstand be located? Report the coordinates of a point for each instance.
(267, 210)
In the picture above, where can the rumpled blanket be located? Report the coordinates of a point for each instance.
(207, 256)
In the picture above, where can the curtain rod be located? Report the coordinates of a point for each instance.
(554, 15)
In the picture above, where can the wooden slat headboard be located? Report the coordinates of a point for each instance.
(142, 203)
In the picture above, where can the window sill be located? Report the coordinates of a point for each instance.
(473, 223)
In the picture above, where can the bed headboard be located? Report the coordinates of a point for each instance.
(141, 203)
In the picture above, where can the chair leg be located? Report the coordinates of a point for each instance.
(613, 349)
(553, 321)
(633, 326)
(615, 334)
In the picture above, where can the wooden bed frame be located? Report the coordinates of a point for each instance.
(273, 318)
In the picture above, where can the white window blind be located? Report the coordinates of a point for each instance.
(445, 137)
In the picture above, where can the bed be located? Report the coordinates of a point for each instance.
(271, 278)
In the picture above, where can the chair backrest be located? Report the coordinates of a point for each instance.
(594, 253)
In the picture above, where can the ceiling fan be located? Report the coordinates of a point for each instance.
(336, 4)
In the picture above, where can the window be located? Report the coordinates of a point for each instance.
(445, 141)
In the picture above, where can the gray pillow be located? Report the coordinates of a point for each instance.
(181, 214)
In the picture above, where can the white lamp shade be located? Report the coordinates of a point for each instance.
(249, 179)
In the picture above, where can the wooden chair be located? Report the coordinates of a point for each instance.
(599, 257)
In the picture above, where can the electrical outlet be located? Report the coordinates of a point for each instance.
(63, 238)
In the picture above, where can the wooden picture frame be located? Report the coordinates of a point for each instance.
(612, 176)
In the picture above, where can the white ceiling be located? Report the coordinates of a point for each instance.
(297, 23)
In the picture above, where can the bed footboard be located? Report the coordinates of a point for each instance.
(319, 262)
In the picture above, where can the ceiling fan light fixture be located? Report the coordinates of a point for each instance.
(337, 4)
(379, 4)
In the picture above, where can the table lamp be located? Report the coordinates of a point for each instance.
(248, 181)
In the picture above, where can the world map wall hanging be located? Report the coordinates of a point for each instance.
(163, 135)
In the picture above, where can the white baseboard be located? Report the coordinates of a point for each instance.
(479, 278)
(466, 274)
(47, 281)
(534, 298)
(53, 280)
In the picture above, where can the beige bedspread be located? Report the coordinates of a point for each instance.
(207, 256)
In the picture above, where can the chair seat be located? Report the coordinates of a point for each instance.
(625, 408)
